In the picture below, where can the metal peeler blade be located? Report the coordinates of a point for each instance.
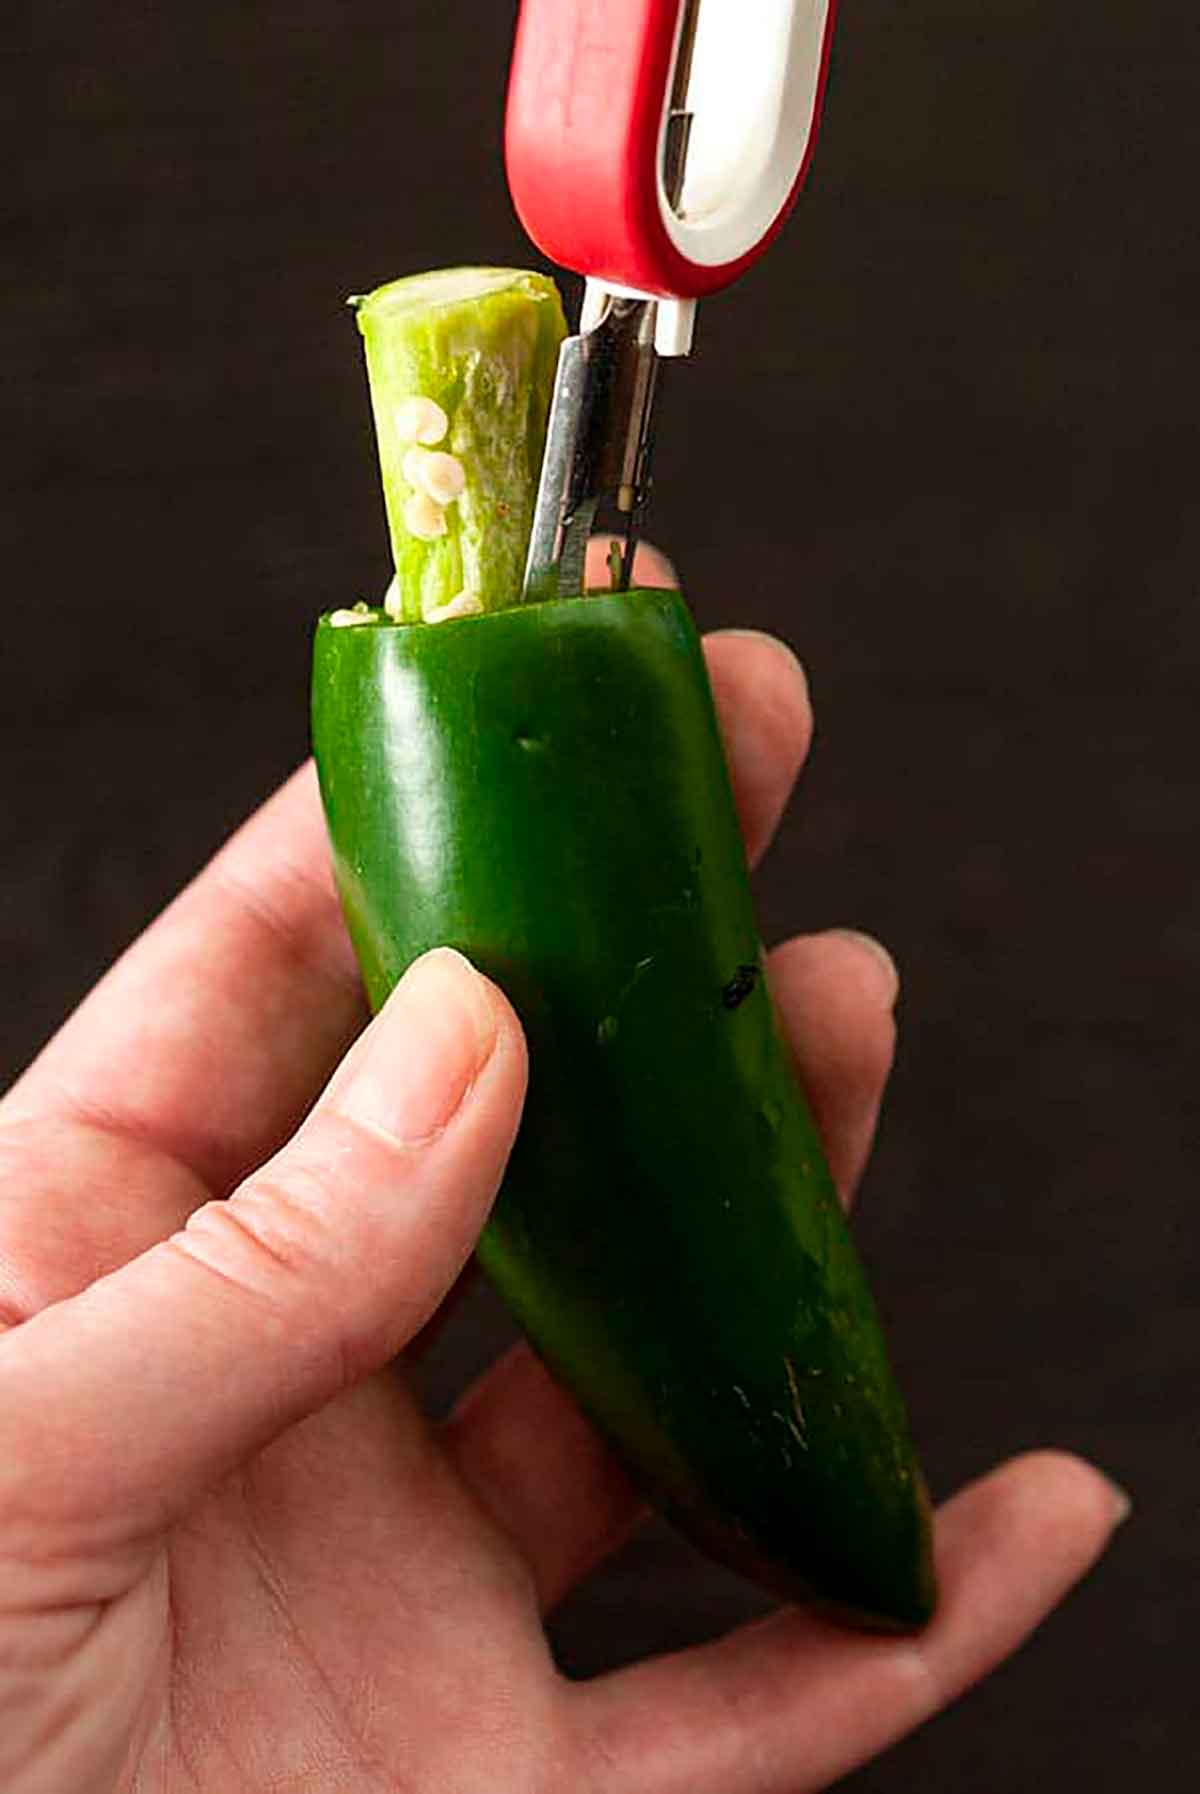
(597, 445)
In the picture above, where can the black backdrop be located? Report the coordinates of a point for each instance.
(944, 439)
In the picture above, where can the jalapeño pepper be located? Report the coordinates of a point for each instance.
(543, 786)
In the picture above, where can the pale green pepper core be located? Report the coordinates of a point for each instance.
(482, 345)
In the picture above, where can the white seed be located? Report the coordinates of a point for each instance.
(421, 420)
(443, 477)
(463, 604)
(392, 602)
(423, 518)
(346, 619)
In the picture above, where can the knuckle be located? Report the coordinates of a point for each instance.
(268, 1238)
(276, 1270)
(290, 1243)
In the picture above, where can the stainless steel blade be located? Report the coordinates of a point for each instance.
(596, 444)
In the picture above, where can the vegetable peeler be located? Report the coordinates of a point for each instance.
(654, 147)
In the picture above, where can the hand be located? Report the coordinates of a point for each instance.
(234, 1555)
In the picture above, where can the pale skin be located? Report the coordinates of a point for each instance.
(234, 1554)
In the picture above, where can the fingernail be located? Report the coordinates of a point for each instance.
(1122, 1502)
(429, 1044)
(773, 641)
(881, 956)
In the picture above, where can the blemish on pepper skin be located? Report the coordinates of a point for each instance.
(740, 986)
(631, 983)
(607, 1032)
(797, 1425)
(796, 1432)
(772, 1115)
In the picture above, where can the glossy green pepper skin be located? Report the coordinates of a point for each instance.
(545, 788)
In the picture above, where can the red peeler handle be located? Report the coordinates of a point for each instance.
(587, 104)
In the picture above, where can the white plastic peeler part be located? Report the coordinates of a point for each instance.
(752, 96)
(674, 319)
(674, 325)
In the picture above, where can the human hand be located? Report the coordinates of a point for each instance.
(234, 1555)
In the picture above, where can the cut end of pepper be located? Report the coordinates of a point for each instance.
(461, 366)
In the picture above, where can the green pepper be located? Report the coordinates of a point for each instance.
(461, 365)
(544, 788)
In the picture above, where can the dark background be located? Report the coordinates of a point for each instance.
(944, 439)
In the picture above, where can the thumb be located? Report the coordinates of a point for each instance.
(122, 1405)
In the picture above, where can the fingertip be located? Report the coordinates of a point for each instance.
(767, 649)
(762, 701)
(1067, 1493)
(834, 1002)
(479, 990)
(511, 1056)
(1049, 1510)
(1009, 1548)
(430, 1049)
(1121, 1501)
(765, 667)
(651, 567)
(445, 974)
(872, 967)
(503, 1076)
(485, 990)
